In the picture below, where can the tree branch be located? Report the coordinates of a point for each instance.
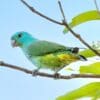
(27, 71)
(62, 12)
(96, 5)
(40, 14)
(64, 23)
(75, 34)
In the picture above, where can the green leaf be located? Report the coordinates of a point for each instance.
(92, 68)
(90, 90)
(82, 18)
(87, 53)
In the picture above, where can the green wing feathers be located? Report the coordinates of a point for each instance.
(41, 48)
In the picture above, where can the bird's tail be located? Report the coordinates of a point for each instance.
(74, 50)
(82, 58)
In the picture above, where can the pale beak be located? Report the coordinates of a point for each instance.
(13, 43)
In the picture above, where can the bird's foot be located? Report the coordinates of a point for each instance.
(56, 75)
(34, 72)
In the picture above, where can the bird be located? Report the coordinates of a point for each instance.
(45, 54)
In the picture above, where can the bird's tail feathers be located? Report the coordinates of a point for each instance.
(83, 58)
(75, 50)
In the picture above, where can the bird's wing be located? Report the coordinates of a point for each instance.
(40, 48)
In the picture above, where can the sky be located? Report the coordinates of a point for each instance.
(14, 17)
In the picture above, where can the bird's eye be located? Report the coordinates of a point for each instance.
(20, 35)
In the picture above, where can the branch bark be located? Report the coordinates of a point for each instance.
(75, 34)
(27, 71)
(97, 7)
(63, 23)
(40, 14)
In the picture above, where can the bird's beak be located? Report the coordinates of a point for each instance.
(13, 43)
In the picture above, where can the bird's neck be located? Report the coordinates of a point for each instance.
(28, 42)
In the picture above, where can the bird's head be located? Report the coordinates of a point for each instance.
(21, 38)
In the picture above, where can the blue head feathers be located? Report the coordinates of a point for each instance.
(22, 38)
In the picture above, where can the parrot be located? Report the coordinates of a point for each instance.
(45, 54)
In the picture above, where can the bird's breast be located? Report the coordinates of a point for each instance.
(53, 61)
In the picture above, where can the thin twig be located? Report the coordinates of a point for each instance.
(64, 18)
(40, 14)
(81, 39)
(64, 23)
(27, 71)
(73, 33)
(96, 5)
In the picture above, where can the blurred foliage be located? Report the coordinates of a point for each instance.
(90, 90)
(92, 68)
(89, 53)
(83, 18)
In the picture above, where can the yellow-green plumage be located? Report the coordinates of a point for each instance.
(56, 61)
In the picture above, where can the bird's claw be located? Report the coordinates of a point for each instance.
(34, 72)
(56, 75)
